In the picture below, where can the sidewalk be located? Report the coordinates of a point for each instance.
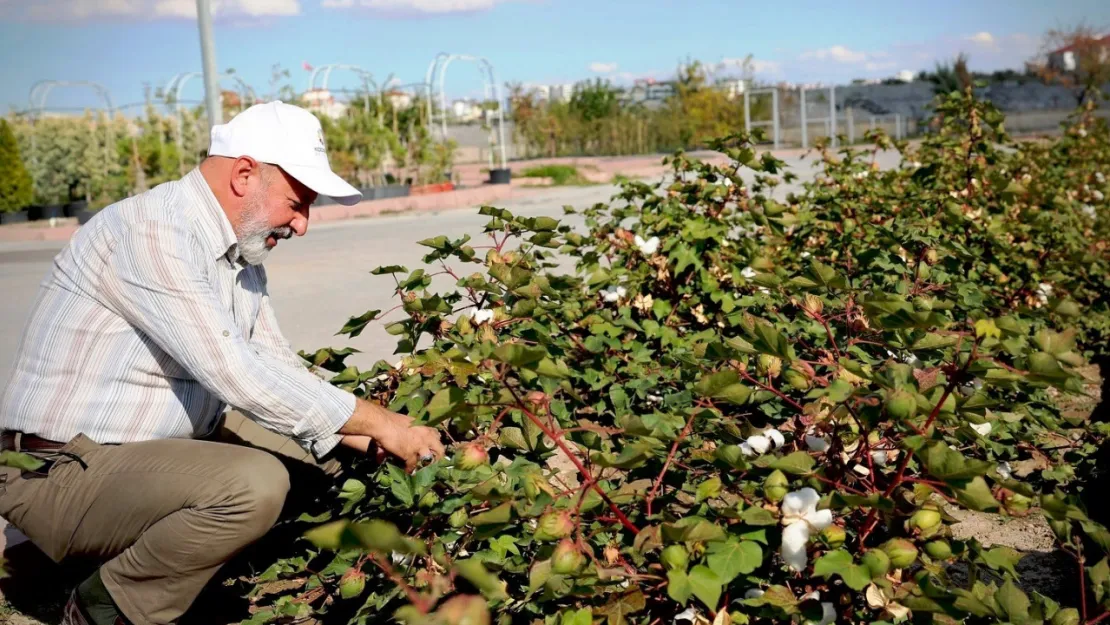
(63, 229)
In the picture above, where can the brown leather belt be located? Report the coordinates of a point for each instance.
(18, 441)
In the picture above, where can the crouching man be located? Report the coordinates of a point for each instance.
(153, 320)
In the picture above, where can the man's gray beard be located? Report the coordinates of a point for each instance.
(254, 230)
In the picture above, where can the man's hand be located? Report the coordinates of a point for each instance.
(394, 433)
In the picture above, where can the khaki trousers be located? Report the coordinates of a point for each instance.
(164, 514)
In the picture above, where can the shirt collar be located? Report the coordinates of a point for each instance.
(216, 232)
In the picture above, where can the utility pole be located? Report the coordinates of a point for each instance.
(208, 57)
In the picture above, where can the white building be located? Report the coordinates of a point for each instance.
(322, 101)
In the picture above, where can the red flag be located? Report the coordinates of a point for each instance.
(306, 66)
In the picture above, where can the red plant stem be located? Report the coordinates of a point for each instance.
(824, 322)
(840, 485)
(666, 465)
(872, 517)
(577, 463)
(1099, 618)
(747, 376)
(414, 598)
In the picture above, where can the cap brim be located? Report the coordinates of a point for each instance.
(325, 182)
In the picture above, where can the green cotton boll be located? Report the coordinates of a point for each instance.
(902, 553)
(877, 562)
(676, 558)
(938, 549)
(775, 486)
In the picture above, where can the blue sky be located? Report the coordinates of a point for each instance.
(126, 43)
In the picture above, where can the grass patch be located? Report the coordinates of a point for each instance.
(560, 174)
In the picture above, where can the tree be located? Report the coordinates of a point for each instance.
(949, 78)
(15, 181)
(1078, 57)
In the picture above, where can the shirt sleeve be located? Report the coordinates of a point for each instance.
(267, 338)
(157, 283)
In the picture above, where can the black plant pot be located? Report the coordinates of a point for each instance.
(40, 213)
(84, 216)
(15, 217)
(71, 209)
(500, 176)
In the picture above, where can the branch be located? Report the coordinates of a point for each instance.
(666, 465)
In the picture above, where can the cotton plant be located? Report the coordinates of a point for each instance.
(800, 518)
(614, 293)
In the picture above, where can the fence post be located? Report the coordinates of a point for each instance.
(898, 126)
(805, 132)
(851, 125)
(775, 114)
(832, 116)
(747, 112)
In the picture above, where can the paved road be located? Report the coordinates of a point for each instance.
(319, 281)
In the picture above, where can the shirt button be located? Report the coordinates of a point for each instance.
(226, 333)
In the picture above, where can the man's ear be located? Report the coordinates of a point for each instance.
(245, 172)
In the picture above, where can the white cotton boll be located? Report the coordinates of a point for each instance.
(806, 254)
(746, 449)
(753, 593)
(748, 273)
(1082, 132)
(1099, 177)
(1097, 195)
(776, 437)
(689, 614)
(648, 247)
(982, 428)
(878, 458)
(860, 175)
(862, 470)
(816, 443)
(764, 289)
(655, 399)
(819, 519)
(797, 504)
(1005, 471)
(793, 550)
(759, 443)
(613, 293)
(1088, 210)
(481, 316)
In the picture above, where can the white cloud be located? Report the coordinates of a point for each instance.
(598, 67)
(415, 6)
(838, 53)
(79, 10)
(982, 38)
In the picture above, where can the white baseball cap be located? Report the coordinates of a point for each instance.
(287, 136)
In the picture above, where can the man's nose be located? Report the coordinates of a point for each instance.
(299, 224)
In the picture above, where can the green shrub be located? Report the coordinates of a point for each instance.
(16, 189)
(560, 174)
(738, 408)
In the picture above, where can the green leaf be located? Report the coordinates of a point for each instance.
(706, 586)
(754, 515)
(352, 492)
(388, 269)
(1001, 559)
(732, 558)
(678, 586)
(485, 581)
(977, 496)
(708, 489)
(518, 354)
(986, 327)
(400, 485)
(840, 562)
(355, 325)
(947, 464)
(692, 529)
(1014, 602)
(443, 403)
(796, 463)
(501, 514)
(582, 616)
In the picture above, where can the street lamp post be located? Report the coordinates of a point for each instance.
(208, 57)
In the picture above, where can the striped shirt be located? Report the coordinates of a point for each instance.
(149, 325)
